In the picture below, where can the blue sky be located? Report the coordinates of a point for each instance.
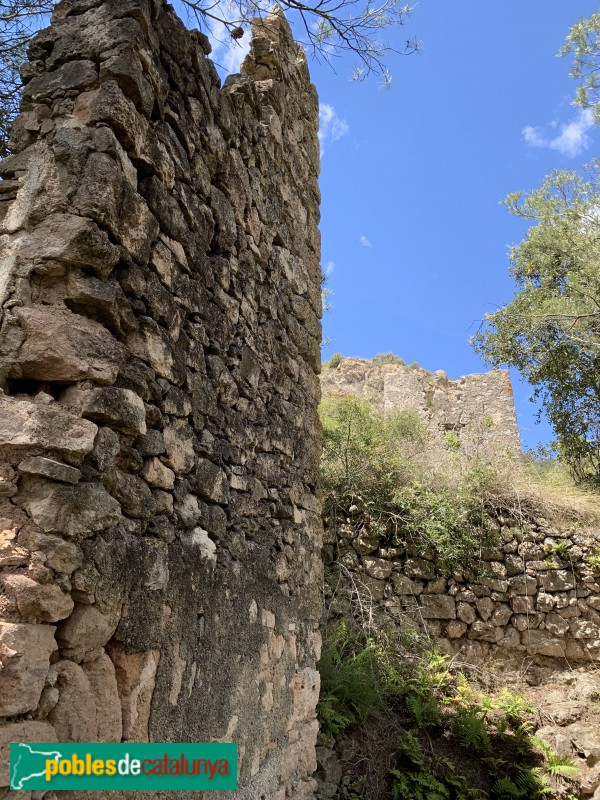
(413, 232)
(412, 178)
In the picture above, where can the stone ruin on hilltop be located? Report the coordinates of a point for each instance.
(477, 410)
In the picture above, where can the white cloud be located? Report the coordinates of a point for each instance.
(331, 127)
(364, 241)
(572, 139)
(328, 268)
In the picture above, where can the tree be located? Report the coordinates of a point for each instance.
(327, 28)
(19, 20)
(583, 42)
(550, 331)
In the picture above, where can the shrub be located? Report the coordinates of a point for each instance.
(388, 358)
(452, 441)
(334, 362)
(353, 685)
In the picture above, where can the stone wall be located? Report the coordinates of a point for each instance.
(160, 573)
(533, 596)
(477, 411)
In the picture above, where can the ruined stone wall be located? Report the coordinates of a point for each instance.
(477, 410)
(160, 569)
(536, 595)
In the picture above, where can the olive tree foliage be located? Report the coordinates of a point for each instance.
(327, 29)
(583, 43)
(550, 331)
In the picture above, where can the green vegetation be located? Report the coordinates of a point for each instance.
(388, 358)
(374, 463)
(583, 43)
(438, 719)
(334, 362)
(453, 441)
(550, 331)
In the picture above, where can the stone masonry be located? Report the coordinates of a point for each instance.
(534, 596)
(477, 411)
(160, 573)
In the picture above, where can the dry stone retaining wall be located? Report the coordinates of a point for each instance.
(160, 569)
(536, 595)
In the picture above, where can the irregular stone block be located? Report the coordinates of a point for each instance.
(27, 427)
(74, 511)
(556, 625)
(404, 585)
(86, 631)
(61, 556)
(38, 602)
(153, 345)
(106, 196)
(157, 475)
(134, 495)
(210, 482)
(136, 679)
(501, 615)
(523, 584)
(419, 568)
(74, 716)
(73, 75)
(120, 409)
(18, 732)
(543, 643)
(377, 568)
(48, 468)
(484, 631)
(199, 538)
(584, 629)
(64, 347)
(109, 104)
(25, 659)
(372, 588)
(437, 606)
(73, 241)
(103, 683)
(557, 580)
(485, 607)
(456, 629)
(365, 543)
